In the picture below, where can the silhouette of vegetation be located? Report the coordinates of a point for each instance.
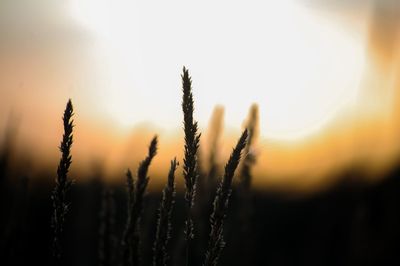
(164, 224)
(244, 216)
(192, 140)
(136, 191)
(63, 183)
(216, 242)
(214, 139)
(249, 151)
(352, 223)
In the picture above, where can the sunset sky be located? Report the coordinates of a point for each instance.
(325, 75)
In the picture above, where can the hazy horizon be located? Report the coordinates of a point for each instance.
(324, 75)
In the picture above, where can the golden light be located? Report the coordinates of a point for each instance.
(301, 67)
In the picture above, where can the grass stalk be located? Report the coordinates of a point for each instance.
(216, 241)
(192, 140)
(250, 157)
(63, 183)
(214, 138)
(164, 226)
(136, 190)
(245, 234)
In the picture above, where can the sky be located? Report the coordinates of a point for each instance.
(323, 73)
(238, 54)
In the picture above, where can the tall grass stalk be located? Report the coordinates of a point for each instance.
(136, 190)
(250, 156)
(126, 242)
(216, 241)
(192, 140)
(164, 226)
(63, 183)
(214, 138)
(208, 179)
(245, 234)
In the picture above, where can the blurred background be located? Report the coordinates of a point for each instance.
(318, 79)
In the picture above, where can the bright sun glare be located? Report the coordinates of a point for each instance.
(300, 67)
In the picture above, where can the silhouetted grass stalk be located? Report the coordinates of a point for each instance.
(63, 184)
(216, 241)
(164, 226)
(192, 139)
(127, 234)
(249, 155)
(245, 213)
(136, 191)
(214, 136)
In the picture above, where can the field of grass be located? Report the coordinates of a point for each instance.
(215, 221)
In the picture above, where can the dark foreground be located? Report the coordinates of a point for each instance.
(351, 224)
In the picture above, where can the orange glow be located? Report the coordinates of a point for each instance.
(307, 133)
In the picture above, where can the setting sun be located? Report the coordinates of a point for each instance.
(301, 67)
